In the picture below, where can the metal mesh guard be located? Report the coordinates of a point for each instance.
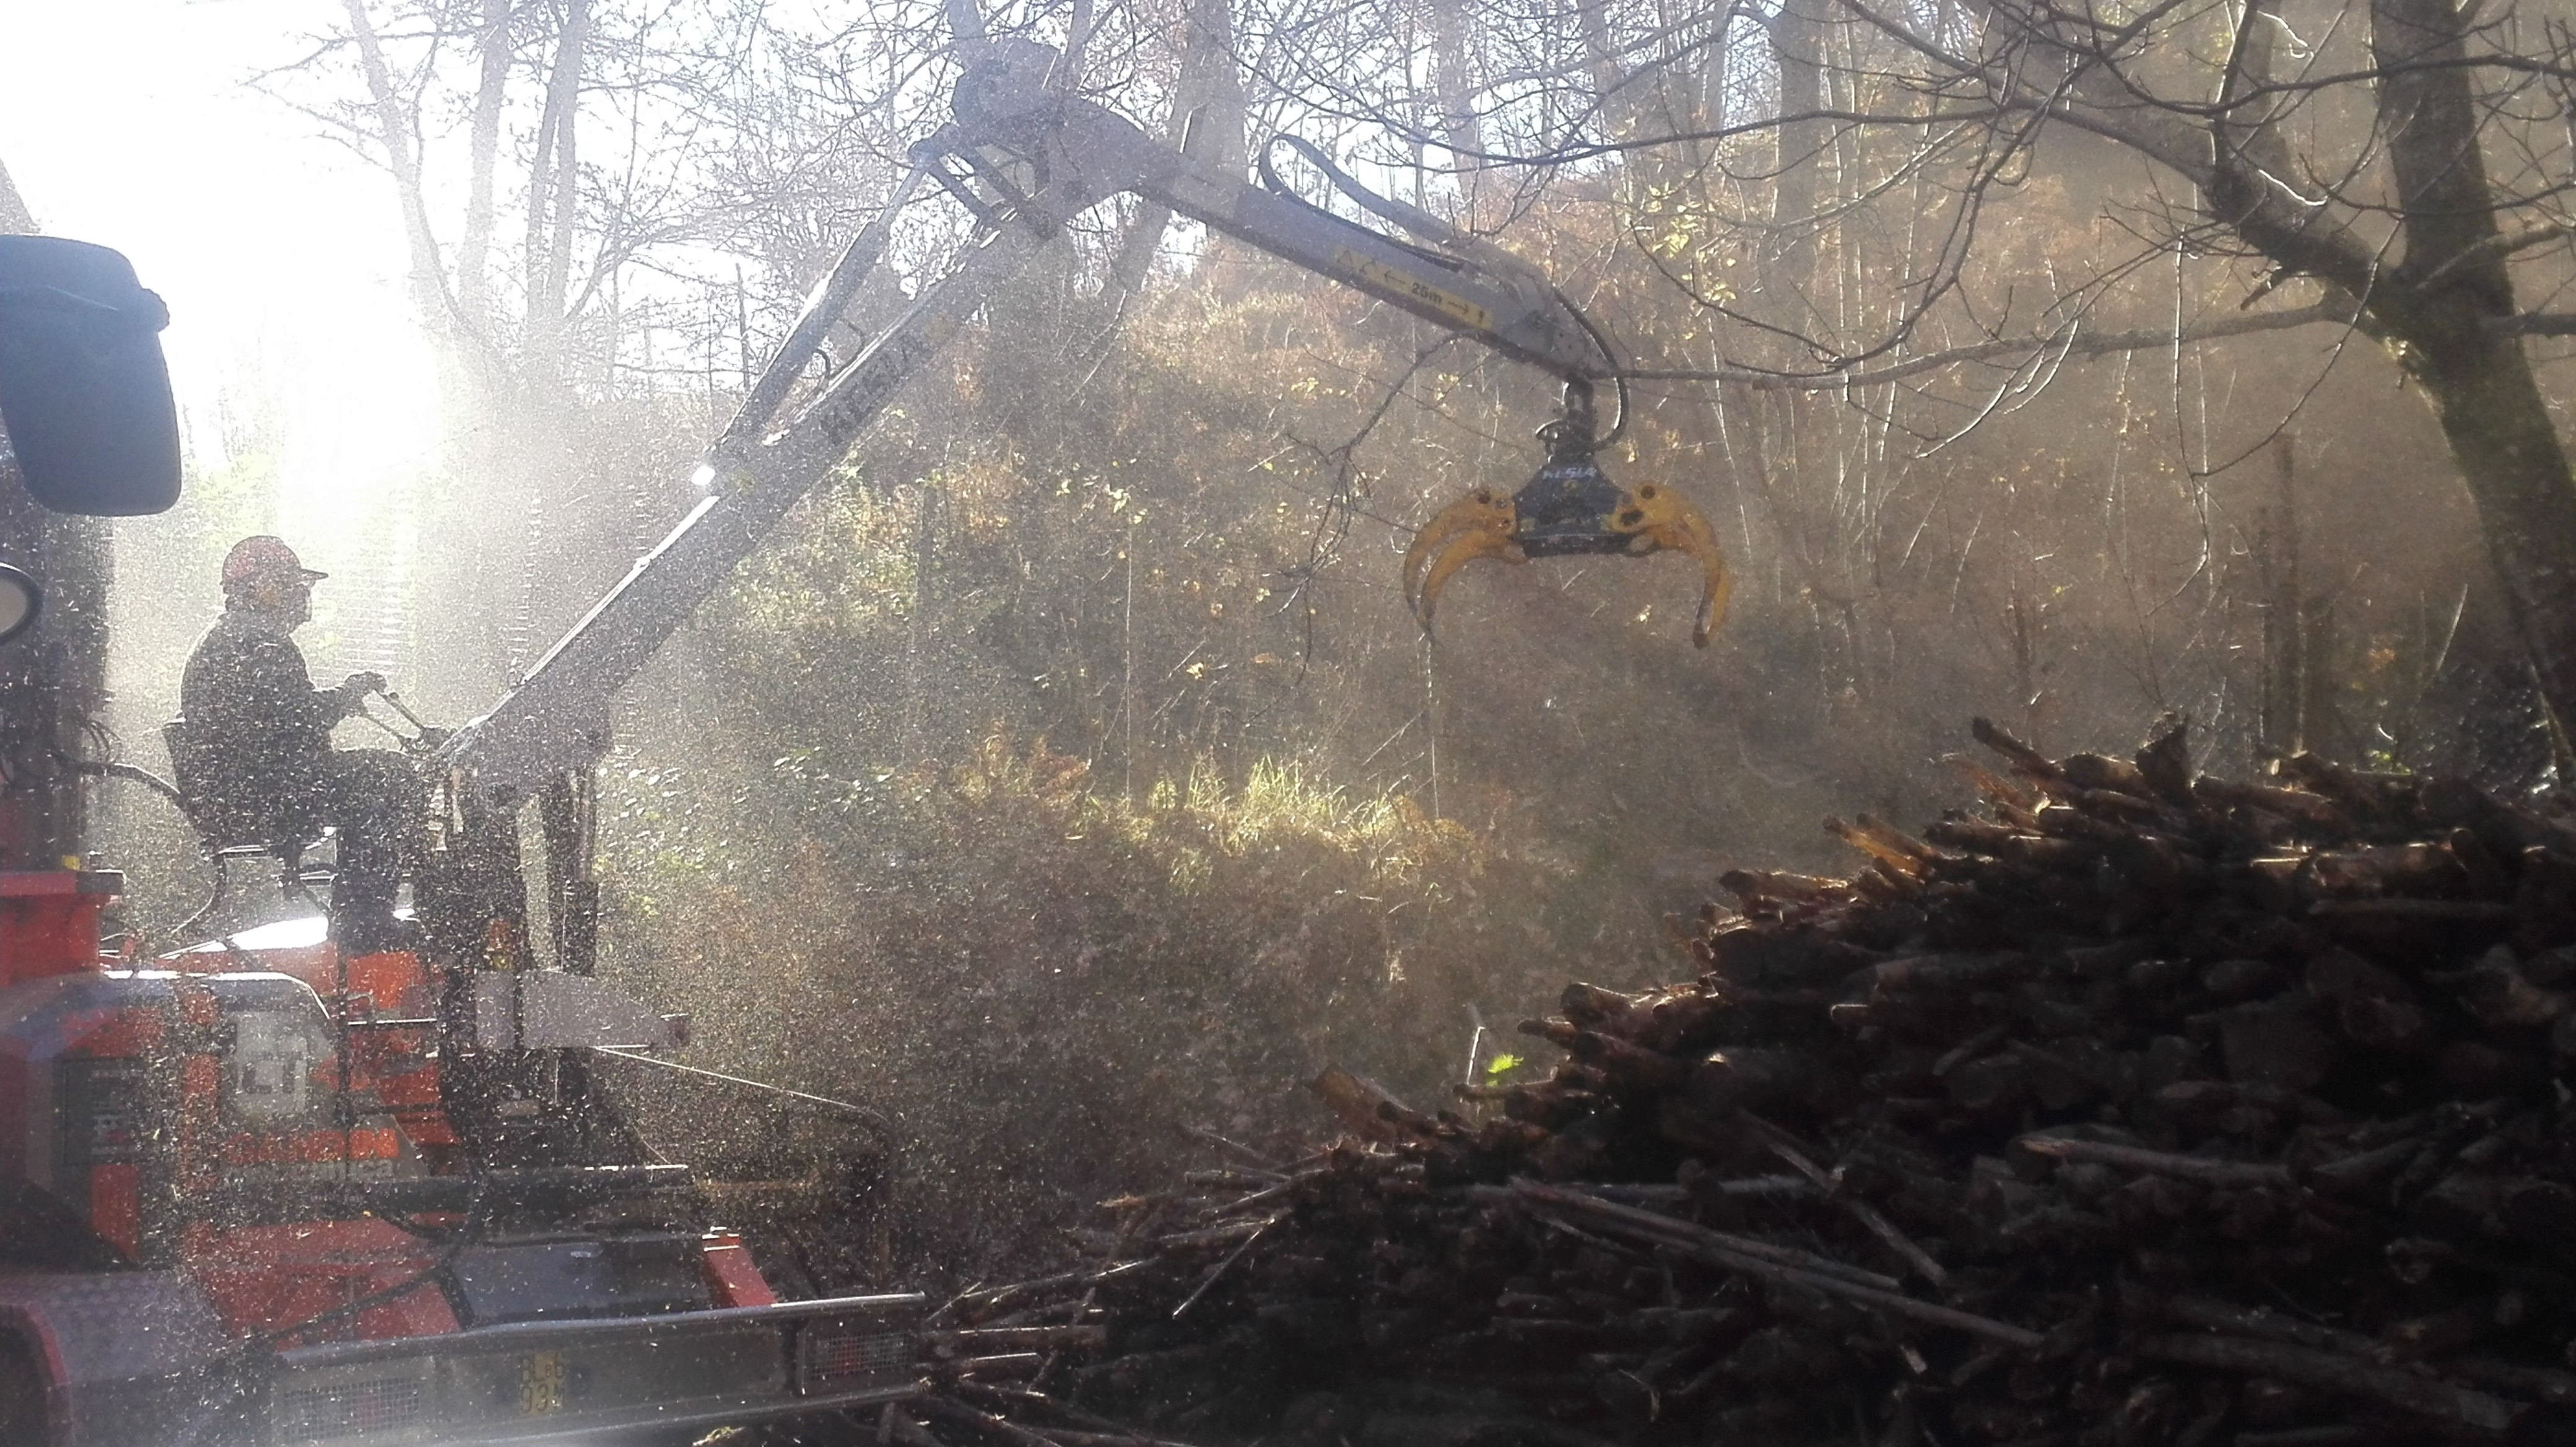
(330, 1409)
(834, 1355)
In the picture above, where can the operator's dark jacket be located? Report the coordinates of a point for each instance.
(261, 769)
(262, 729)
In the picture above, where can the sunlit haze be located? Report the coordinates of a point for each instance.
(131, 123)
(1804, 721)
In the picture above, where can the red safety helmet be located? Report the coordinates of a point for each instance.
(264, 557)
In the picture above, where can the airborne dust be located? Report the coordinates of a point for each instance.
(1067, 774)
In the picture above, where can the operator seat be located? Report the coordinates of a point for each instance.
(228, 832)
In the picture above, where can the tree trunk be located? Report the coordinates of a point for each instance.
(1207, 124)
(428, 272)
(2280, 724)
(552, 186)
(2443, 302)
(2499, 429)
(1716, 73)
(1797, 46)
(474, 248)
(1453, 82)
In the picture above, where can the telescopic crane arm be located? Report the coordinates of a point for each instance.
(1027, 159)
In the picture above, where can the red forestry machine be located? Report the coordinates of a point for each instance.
(264, 1191)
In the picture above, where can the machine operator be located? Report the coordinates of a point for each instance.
(260, 734)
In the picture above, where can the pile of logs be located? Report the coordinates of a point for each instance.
(2137, 1108)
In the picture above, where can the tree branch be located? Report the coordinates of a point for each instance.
(2152, 338)
(428, 266)
(2500, 246)
(2429, 121)
(2534, 324)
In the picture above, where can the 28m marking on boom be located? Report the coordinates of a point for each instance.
(1386, 278)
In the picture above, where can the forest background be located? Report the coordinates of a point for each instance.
(1069, 772)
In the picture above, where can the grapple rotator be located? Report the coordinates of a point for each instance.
(1569, 506)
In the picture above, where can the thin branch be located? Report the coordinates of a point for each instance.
(2537, 234)
(2335, 312)
(2534, 324)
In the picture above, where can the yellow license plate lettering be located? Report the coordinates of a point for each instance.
(541, 1385)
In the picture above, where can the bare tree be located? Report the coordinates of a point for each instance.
(2367, 173)
(596, 213)
(2396, 168)
(1207, 123)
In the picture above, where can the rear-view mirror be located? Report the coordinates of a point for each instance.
(84, 394)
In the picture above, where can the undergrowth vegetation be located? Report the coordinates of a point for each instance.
(1050, 985)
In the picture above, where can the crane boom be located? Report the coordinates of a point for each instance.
(1010, 126)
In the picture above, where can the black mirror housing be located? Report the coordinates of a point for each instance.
(84, 392)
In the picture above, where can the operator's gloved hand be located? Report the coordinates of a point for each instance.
(354, 690)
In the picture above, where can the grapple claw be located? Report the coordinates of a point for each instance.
(1479, 525)
(1654, 518)
(1570, 507)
